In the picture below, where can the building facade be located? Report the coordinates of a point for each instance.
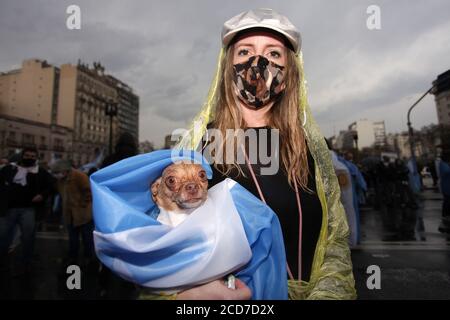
(345, 140)
(83, 98)
(28, 110)
(369, 133)
(128, 108)
(62, 111)
(442, 98)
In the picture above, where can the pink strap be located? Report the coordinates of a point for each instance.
(252, 173)
(297, 195)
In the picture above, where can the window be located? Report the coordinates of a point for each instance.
(27, 138)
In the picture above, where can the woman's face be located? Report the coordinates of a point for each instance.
(260, 43)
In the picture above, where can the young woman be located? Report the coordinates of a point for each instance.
(259, 86)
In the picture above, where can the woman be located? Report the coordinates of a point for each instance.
(261, 44)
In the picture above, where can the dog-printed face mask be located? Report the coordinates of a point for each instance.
(258, 81)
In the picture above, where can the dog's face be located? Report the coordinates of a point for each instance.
(182, 186)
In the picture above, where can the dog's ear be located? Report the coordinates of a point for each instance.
(154, 188)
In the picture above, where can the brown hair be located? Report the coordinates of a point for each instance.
(284, 116)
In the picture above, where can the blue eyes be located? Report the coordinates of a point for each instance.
(272, 54)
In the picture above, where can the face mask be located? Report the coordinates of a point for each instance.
(28, 162)
(258, 81)
(59, 175)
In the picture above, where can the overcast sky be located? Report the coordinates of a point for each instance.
(167, 51)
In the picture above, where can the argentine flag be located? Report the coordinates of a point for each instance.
(233, 232)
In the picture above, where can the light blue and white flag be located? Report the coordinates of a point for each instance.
(233, 232)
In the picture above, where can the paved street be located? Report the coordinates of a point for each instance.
(410, 268)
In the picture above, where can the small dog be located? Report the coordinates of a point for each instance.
(182, 188)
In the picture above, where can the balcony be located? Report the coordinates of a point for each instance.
(58, 148)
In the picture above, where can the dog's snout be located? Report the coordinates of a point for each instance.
(191, 187)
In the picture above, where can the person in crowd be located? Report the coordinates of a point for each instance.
(359, 187)
(126, 147)
(74, 189)
(444, 183)
(112, 286)
(24, 188)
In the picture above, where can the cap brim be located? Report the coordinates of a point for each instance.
(229, 36)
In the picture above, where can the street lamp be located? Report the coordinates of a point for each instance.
(411, 132)
(111, 112)
(442, 83)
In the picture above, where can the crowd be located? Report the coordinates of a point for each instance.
(31, 193)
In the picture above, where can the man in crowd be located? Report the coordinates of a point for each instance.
(24, 186)
(444, 183)
(74, 189)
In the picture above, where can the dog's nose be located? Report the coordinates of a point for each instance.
(191, 187)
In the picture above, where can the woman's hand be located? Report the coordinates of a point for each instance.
(217, 290)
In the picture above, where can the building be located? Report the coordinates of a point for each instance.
(128, 108)
(399, 143)
(345, 140)
(369, 133)
(379, 131)
(84, 96)
(424, 144)
(442, 98)
(170, 141)
(62, 111)
(28, 111)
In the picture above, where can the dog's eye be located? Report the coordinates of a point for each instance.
(170, 181)
(202, 175)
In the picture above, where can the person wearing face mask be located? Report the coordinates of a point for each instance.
(24, 186)
(259, 86)
(74, 189)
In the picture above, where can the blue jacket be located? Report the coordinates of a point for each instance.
(444, 177)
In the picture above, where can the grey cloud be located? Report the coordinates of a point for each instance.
(167, 50)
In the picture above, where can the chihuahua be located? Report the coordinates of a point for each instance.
(182, 188)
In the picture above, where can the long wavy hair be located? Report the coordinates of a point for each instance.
(284, 115)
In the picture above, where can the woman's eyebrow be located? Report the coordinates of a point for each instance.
(274, 46)
(252, 45)
(244, 44)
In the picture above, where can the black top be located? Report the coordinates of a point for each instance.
(281, 198)
(13, 195)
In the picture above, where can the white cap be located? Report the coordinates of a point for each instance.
(261, 18)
